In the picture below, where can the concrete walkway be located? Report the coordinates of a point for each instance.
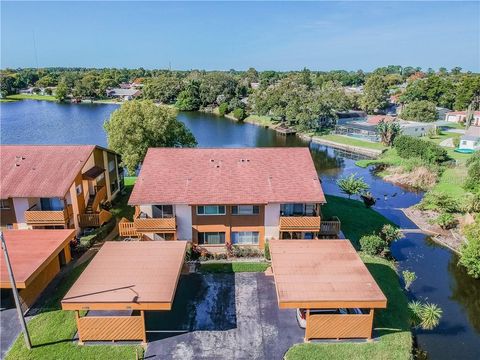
(233, 316)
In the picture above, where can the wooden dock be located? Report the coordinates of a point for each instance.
(285, 131)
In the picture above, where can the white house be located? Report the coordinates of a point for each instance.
(461, 117)
(124, 94)
(471, 139)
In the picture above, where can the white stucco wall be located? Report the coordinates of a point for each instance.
(184, 222)
(147, 209)
(469, 144)
(21, 205)
(272, 221)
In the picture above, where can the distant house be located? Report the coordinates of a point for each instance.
(124, 94)
(367, 129)
(461, 117)
(471, 139)
(254, 85)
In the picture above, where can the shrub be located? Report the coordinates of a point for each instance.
(408, 147)
(352, 185)
(372, 244)
(239, 114)
(408, 277)
(390, 233)
(191, 254)
(96, 235)
(439, 201)
(245, 251)
(446, 221)
(470, 251)
(266, 251)
(223, 108)
(425, 315)
(472, 183)
(48, 91)
(456, 142)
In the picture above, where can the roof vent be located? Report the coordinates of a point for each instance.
(211, 160)
(217, 166)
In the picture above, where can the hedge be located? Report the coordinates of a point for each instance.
(408, 147)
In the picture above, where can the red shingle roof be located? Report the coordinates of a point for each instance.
(227, 176)
(376, 119)
(30, 251)
(40, 170)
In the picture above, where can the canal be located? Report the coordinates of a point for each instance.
(440, 280)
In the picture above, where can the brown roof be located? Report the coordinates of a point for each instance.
(376, 119)
(30, 251)
(129, 275)
(227, 176)
(322, 274)
(40, 170)
(93, 173)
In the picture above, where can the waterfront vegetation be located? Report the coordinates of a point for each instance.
(52, 332)
(16, 97)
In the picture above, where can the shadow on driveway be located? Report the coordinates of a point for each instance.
(223, 316)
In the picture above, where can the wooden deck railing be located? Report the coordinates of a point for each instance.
(48, 217)
(127, 229)
(155, 224)
(331, 227)
(94, 220)
(339, 326)
(300, 223)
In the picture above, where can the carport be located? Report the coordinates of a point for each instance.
(326, 274)
(124, 280)
(36, 257)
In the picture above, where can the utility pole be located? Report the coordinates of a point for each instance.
(15, 293)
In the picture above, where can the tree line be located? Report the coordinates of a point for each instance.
(304, 99)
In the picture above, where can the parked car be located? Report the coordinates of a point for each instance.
(302, 314)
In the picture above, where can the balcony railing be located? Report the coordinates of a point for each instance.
(155, 224)
(331, 227)
(300, 223)
(94, 220)
(48, 217)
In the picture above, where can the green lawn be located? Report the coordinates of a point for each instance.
(120, 208)
(52, 331)
(356, 219)
(31, 97)
(353, 142)
(391, 325)
(234, 267)
(259, 120)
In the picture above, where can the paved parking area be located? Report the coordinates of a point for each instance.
(223, 316)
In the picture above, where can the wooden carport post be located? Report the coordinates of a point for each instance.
(142, 314)
(371, 324)
(77, 319)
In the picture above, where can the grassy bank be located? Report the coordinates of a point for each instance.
(392, 329)
(260, 120)
(356, 219)
(31, 97)
(120, 208)
(53, 329)
(234, 267)
(345, 140)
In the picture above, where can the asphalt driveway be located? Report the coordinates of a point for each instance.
(223, 316)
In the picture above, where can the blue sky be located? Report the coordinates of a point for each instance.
(225, 35)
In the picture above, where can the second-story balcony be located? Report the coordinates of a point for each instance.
(155, 225)
(300, 223)
(36, 217)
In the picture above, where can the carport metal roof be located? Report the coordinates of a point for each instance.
(30, 251)
(133, 275)
(322, 274)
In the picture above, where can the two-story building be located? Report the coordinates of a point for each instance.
(215, 197)
(57, 186)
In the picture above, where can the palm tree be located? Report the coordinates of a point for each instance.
(388, 131)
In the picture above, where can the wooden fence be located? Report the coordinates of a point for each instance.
(111, 328)
(94, 220)
(339, 326)
(330, 227)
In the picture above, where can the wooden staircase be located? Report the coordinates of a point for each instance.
(89, 207)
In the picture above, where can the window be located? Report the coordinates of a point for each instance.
(79, 189)
(111, 165)
(298, 210)
(211, 210)
(113, 187)
(245, 238)
(163, 236)
(211, 238)
(51, 204)
(245, 209)
(4, 204)
(162, 211)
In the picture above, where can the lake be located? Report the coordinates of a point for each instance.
(440, 280)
